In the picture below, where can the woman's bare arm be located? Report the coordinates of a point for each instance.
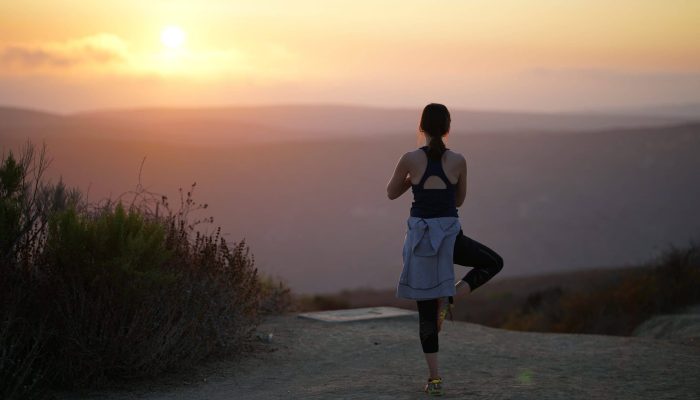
(461, 183)
(400, 182)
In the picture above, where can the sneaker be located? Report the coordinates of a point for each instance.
(444, 310)
(434, 387)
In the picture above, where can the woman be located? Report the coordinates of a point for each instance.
(434, 240)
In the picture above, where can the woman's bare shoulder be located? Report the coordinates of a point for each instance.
(455, 155)
(413, 154)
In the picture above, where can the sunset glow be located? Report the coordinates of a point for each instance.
(479, 54)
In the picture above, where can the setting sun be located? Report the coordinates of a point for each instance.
(172, 37)
(515, 54)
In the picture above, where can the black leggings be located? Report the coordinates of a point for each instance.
(485, 264)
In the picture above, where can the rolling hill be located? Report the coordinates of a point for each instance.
(309, 196)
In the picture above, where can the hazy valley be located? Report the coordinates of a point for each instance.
(305, 186)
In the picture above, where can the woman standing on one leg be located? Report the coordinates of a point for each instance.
(434, 239)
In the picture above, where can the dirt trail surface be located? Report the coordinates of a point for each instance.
(381, 359)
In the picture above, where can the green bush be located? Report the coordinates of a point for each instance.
(23, 341)
(25, 331)
(93, 293)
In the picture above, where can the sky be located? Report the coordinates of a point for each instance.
(565, 55)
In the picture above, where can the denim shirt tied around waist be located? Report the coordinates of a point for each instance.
(428, 269)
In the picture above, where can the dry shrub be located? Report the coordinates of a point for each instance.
(93, 293)
(276, 297)
(320, 302)
(133, 297)
(664, 285)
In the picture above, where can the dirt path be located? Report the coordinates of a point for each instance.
(382, 359)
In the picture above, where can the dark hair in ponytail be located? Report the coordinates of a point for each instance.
(435, 122)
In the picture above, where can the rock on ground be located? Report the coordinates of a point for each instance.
(683, 326)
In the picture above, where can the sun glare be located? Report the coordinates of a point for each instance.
(172, 37)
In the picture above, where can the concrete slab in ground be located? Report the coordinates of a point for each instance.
(357, 314)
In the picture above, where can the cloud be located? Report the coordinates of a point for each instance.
(90, 50)
(108, 54)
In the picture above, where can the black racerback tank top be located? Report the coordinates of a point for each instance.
(434, 203)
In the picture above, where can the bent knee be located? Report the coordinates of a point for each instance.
(499, 263)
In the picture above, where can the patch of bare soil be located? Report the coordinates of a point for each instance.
(382, 359)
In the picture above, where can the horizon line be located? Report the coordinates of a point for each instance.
(603, 110)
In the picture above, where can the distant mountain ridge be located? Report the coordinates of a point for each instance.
(246, 124)
(680, 110)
